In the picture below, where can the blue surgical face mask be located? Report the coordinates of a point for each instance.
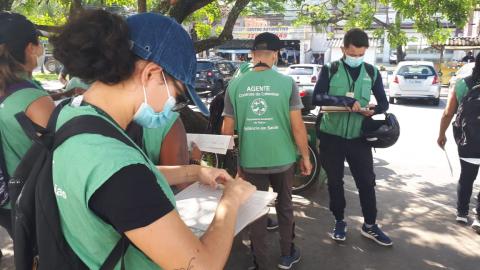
(353, 61)
(147, 117)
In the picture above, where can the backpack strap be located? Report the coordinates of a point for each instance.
(116, 254)
(96, 125)
(372, 73)
(333, 69)
(471, 83)
(31, 129)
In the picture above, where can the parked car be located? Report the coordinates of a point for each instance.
(213, 75)
(465, 71)
(305, 75)
(415, 80)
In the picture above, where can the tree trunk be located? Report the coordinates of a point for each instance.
(182, 9)
(75, 8)
(142, 6)
(227, 31)
(398, 24)
(6, 5)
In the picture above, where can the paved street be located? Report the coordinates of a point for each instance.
(416, 198)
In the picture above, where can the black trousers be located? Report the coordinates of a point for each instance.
(334, 151)
(465, 186)
(6, 220)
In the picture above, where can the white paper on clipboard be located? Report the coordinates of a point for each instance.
(218, 144)
(325, 109)
(197, 205)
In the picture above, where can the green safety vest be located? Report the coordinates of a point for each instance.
(261, 102)
(15, 142)
(153, 138)
(347, 125)
(81, 165)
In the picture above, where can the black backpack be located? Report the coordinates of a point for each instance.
(466, 127)
(4, 176)
(39, 241)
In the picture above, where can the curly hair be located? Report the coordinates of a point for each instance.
(95, 46)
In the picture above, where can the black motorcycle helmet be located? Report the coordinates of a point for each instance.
(381, 133)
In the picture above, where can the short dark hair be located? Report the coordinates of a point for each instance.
(95, 46)
(356, 37)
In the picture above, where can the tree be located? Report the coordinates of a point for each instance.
(426, 16)
(6, 5)
(206, 16)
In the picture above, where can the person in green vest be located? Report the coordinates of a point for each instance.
(264, 107)
(19, 50)
(350, 82)
(106, 189)
(469, 166)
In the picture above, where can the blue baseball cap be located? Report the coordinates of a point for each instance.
(163, 41)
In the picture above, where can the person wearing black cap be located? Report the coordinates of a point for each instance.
(349, 82)
(19, 50)
(264, 107)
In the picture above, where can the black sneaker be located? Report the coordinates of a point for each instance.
(376, 235)
(286, 262)
(340, 231)
(272, 224)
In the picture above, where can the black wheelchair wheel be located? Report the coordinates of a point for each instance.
(302, 183)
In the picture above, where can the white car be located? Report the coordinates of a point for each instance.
(415, 80)
(305, 75)
(465, 71)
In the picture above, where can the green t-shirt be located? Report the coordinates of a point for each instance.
(153, 139)
(461, 90)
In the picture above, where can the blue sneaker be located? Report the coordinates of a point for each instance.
(376, 235)
(340, 231)
(286, 262)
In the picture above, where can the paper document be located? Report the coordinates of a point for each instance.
(211, 143)
(325, 109)
(197, 205)
(449, 163)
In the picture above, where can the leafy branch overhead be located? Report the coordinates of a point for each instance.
(427, 17)
(212, 21)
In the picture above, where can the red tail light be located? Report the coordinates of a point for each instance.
(302, 93)
(435, 80)
(314, 79)
(209, 74)
(396, 80)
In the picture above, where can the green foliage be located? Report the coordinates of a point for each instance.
(425, 14)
